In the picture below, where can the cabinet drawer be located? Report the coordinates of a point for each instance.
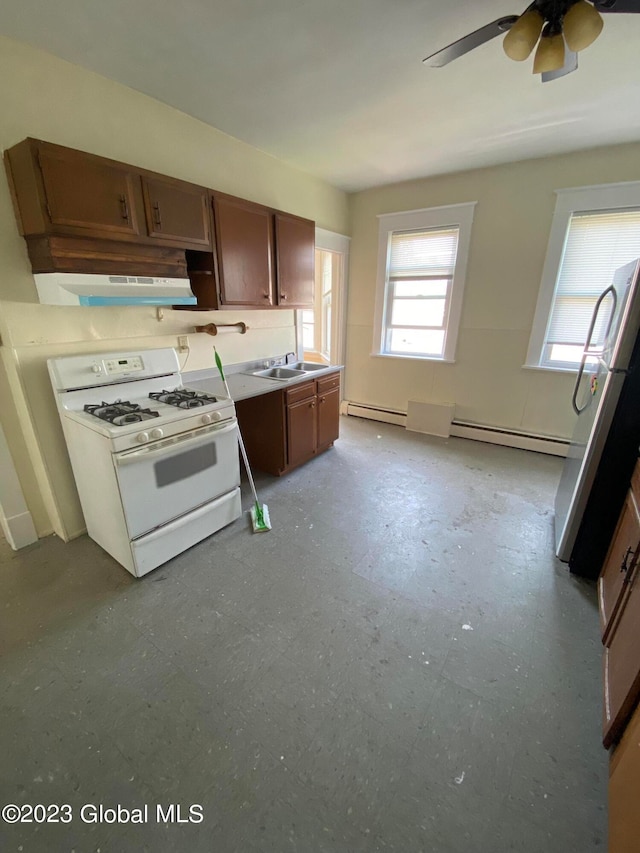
(326, 383)
(300, 392)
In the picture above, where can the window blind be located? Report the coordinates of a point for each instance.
(596, 244)
(423, 254)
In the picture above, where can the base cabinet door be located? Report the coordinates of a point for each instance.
(301, 431)
(624, 785)
(328, 417)
(619, 563)
(622, 664)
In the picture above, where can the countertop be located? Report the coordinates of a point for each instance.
(242, 385)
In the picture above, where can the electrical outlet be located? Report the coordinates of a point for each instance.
(183, 343)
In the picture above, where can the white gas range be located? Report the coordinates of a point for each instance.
(156, 464)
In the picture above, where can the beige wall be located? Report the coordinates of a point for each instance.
(508, 244)
(44, 97)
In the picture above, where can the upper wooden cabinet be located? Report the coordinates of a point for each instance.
(61, 191)
(79, 212)
(177, 211)
(265, 258)
(244, 239)
(295, 240)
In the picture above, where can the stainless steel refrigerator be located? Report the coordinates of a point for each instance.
(604, 446)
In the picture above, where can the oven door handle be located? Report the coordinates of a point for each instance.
(176, 443)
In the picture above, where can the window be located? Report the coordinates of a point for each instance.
(421, 272)
(595, 230)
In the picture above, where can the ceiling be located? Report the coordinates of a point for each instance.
(338, 89)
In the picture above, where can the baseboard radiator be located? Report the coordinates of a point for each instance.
(466, 429)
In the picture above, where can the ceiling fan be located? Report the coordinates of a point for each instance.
(560, 28)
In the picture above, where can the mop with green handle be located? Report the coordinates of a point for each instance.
(259, 514)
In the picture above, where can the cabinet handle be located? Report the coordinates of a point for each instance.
(312, 405)
(625, 560)
(124, 206)
(283, 296)
(157, 219)
(265, 295)
(322, 399)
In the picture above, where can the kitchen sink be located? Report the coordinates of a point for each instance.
(280, 373)
(308, 366)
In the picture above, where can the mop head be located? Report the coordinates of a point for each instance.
(260, 518)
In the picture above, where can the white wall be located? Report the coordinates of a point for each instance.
(47, 98)
(508, 244)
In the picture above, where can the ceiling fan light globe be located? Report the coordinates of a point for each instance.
(549, 55)
(523, 35)
(582, 25)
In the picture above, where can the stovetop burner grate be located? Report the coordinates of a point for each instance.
(120, 413)
(183, 398)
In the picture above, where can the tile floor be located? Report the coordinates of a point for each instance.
(400, 665)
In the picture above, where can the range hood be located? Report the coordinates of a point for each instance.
(62, 288)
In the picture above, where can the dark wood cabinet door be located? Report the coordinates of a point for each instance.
(622, 664)
(624, 784)
(328, 417)
(301, 431)
(619, 564)
(177, 211)
(244, 237)
(295, 260)
(87, 194)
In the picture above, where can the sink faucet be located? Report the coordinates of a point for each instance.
(290, 357)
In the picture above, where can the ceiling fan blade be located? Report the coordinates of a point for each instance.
(617, 5)
(470, 41)
(570, 64)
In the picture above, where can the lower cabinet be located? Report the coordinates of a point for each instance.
(624, 784)
(619, 599)
(287, 427)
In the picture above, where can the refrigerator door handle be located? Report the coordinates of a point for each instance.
(587, 351)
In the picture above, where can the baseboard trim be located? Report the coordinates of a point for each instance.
(510, 438)
(372, 413)
(19, 530)
(466, 429)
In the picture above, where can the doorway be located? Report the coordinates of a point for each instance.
(322, 328)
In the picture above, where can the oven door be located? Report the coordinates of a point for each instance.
(164, 480)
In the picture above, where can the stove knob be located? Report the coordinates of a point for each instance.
(216, 416)
(206, 419)
(156, 433)
(96, 368)
(142, 437)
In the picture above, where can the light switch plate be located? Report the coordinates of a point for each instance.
(183, 343)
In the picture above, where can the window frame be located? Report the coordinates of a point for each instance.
(573, 200)
(431, 218)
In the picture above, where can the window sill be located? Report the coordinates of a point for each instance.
(433, 358)
(545, 369)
